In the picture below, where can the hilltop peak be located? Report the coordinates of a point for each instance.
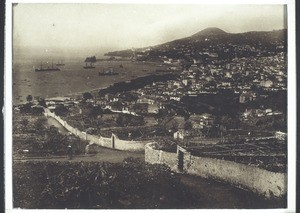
(209, 31)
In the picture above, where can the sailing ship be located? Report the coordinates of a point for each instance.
(89, 62)
(42, 69)
(108, 72)
(60, 63)
(89, 65)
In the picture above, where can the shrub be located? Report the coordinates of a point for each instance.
(131, 184)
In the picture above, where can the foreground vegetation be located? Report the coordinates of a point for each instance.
(131, 184)
(34, 136)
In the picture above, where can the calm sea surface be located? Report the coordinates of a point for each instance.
(72, 78)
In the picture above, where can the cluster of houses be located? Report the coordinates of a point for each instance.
(240, 75)
(250, 113)
(52, 103)
(268, 73)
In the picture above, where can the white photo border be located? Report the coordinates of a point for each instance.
(291, 195)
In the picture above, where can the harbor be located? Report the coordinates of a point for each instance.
(72, 79)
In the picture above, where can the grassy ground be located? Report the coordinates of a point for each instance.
(86, 185)
(129, 184)
(38, 136)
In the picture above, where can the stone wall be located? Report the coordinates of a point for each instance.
(112, 142)
(169, 159)
(152, 154)
(106, 142)
(129, 145)
(93, 139)
(156, 156)
(258, 180)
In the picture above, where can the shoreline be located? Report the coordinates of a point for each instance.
(17, 100)
(102, 88)
(71, 95)
(81, 92)
(92, 90)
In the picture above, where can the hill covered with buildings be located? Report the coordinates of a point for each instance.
(211, 45)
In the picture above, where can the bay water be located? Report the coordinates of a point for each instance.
(72, 78)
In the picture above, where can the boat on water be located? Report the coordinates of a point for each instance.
(89, 62)
(43, 69)
(89, 66)
(108, 72)
(60, 63)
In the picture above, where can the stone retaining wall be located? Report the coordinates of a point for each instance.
(267, 183)
(112, 142)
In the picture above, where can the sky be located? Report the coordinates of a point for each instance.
(123, 26)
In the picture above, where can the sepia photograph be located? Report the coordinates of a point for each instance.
(129, 105)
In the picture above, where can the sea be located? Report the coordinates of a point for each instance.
(72, 79)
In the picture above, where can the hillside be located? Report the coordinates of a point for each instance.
(212, 44)
(209, 31)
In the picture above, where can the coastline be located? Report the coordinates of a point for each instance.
(28, 83)
(136, 73)
(97, 90)
(76, 94)
(71, 95)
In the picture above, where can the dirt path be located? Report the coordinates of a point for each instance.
(220, 195)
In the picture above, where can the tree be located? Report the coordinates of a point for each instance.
(42, 102)
(212, 131)
(136, 121)
(95, 111)
(55, 142)
(26, 108)
(127, 96)
(37, 110)
(121, 120)
(40, 123)
(255, 88)
(175, 126)
(29, 98)
(188, 125)
(61, 110)
(87, 95)
(228, 122)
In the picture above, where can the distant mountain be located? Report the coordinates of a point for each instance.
(209, 31)
(220, 36)
(212, 44)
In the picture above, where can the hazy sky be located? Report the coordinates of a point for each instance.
(120, 26)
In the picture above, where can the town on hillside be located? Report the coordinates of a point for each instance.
(195, 104)
(213, 95)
